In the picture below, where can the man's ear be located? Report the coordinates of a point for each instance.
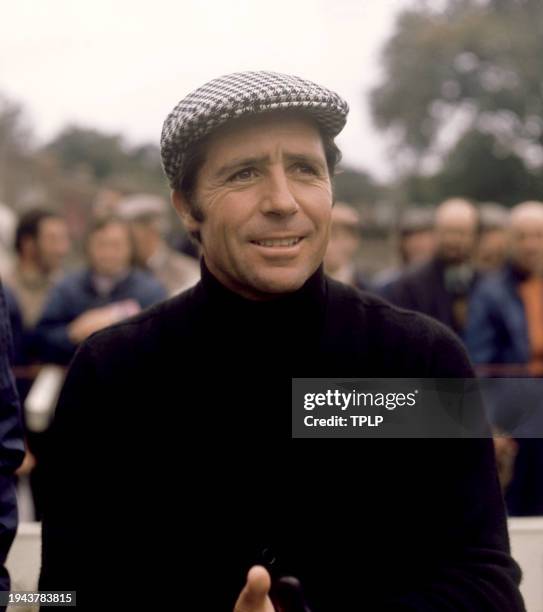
(184, 211)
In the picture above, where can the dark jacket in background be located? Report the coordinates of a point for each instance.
(16, 325)
(174, 468)
(497, 333)
(75, 294)
(422, 288)
(11, 444)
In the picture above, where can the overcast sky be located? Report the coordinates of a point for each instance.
(121, 65)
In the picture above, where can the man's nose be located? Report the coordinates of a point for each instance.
(278, 198)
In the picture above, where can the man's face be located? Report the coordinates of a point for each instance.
(266, 197)
(145, 236)
(52, 244)
(526, 241)
(109, 250)
(456, 237)
(418, 246)
(491, 250)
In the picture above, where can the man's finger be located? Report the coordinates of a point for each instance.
(254, 597)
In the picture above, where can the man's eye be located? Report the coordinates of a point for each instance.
(243, 175)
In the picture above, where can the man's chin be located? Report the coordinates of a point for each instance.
(275, 285)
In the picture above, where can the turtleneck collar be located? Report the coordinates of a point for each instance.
(311, 294)
(296, 318)
(283, 335)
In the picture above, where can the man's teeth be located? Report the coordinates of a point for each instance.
(282, 242)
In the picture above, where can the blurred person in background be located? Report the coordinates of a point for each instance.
(505, 337)
(11, 444)
(417, 236)
(441, 286)
(506, 309)
(42, 243)
(416, 245)
(491, 251)
(343, 245)
(184, 244)
(27, 476)
(147, 218)
(107, 290)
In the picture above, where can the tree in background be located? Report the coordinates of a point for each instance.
(108, 159)
(356, 187)
(485, 171)
(462, 91)
(15, 149)
(74, 172)
(76, 163)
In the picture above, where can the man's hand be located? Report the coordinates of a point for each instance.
(28, 464)
(255, 594)
(89, 322)
(506, 450)
(95, 319)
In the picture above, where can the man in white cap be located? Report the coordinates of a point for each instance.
(146, 215)
(198, 391)
(343, 246)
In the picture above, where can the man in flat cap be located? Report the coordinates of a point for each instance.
(190, 490)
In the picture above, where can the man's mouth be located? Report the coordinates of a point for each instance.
(278, 242)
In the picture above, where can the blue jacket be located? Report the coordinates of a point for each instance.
(74, 295)
(497, 331)
(11, 444)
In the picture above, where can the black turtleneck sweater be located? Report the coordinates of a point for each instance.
(175, 470)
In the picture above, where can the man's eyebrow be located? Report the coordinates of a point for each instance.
(239, 162)
(307, 158)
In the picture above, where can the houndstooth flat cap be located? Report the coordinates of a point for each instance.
(238, 95)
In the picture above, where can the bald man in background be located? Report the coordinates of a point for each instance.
(440, 287)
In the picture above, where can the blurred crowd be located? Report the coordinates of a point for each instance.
(126, 265)
(476, 267)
